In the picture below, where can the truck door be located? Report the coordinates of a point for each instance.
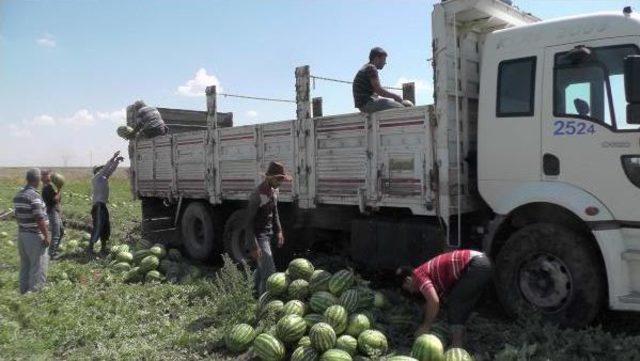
(586, 141)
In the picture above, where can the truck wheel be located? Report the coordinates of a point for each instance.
(234, 237)
(198, 231)
(553, 271)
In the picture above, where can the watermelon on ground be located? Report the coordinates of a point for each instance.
(427, 348)
(457, 354)
(319, 281)
(140, 254)
(149, 263)
(321, 300)
(313, 318)
(357, 323)
(158, 250)
(133, 275)
(347, 343)
(294, 307)
(337, 317)
(304, 353)
(349, 300)
(86, 236)
(153, 276)
(124, 257)
(268, 348)
(274, 307)
(300, 268)
(335, 355)
(122, 266)
(240, 338)
(298, 290)
(4, 234)
(174, 255)
(322, 336)
(291, 328)
(380, 300)
(265, 298)
(341, 281)
(366, 298)
(372, 343)
(304, 341)
(277, 283)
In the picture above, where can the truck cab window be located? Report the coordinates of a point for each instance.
(592, 89)
(516, 87)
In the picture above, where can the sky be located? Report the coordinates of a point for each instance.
(68, 68)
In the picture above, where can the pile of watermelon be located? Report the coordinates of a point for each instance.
(326, 317)
(141, 265)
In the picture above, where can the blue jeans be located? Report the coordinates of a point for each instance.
(55, 227)
(264, 266)
(379, 104)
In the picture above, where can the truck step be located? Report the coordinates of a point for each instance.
(631, 256)
(633, 297)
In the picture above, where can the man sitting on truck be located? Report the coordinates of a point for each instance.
(263, 222)
(368, 95)
(459, 277)
(148, 121)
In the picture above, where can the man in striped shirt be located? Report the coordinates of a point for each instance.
(148, 121)
(99, 211)
(457, 277)
(33, 234)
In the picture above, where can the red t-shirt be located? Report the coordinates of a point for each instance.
(442, 272)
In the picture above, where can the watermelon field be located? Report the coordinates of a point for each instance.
(319, 308)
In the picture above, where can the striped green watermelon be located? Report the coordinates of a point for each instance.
(427, 348)
(349, 300)
(122, 266)
(366, 298)
(457, 354)
(313, 318)
(347, 343)
(265, 298)
(274, 307)
(174, 255)
(153, 276)
(277, 283)
(240, 338)
(268, 348)
(401, 358)
(372, 343)
(158, 250)
(336, 316)
(140, 254)
(319, 281)
(322, 336)
(304, 353)
(340, 281)
(358, 322)
(304, 341)
(300, 268)
(441, 331)
(294, 307)
(321, 300)
(380, 300)
(149, 263)
(124, 257)
(298, 290)
(291, 328)
(335, 355)
(133, 275)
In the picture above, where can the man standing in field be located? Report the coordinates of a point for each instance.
(33, 235)
(459, 277)
(368, 95)
(51, 199)
(263, 222)
(99, 211)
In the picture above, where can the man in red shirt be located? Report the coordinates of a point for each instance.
(457, 277)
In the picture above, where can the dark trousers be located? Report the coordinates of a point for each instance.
(101, 226)
(468, 290)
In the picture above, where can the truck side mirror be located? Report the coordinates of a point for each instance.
(632, 88)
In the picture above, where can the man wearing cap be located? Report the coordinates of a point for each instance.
(99, 211)
(51, 199)
(33, 234)
(368, 95)
(263, 223)
(458, 277)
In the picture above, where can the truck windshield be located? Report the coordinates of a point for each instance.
(594, 89)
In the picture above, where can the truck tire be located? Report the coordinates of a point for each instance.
(198, 231)
(234, 237)
(552, 271)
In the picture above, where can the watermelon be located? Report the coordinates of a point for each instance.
(372, 343)
(349, 300)
(305, 341)
(153, 276)
(291, 328)
(274, 307)
(72, 243)
(158, 250)
(122, 266)
(149, 263)
(298, 290)
(366, 298)
(347, 343)
(58, 180)
(457, 354)
(336, 316)
(268, 348)
(300, 268)
(277, 283)
(340, 281)
(304, 353)
(442, 332)
(427, 348)
(401, 358)
(379, 300)
(264, 298)
(321, 300)
(139, 255)
(145, 244)
(357, 323)
(313, 318)
(319, 281)
(165, 265)
(86, 236)
(4, 234)
(124, 257)
(335, 355)
(84, 244)
(133, 275)
(174, 255)
(125, 132)
(322, 336)
(240, 338)
(294, 307)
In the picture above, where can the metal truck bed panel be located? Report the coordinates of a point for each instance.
(277, 145)
(190, 163)
(239, 171)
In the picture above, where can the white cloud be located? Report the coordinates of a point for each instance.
(17, 131)
(252, 114)
(117, 116)
(47, 40)
(43, 119)
(81, 118)
(196, 86)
